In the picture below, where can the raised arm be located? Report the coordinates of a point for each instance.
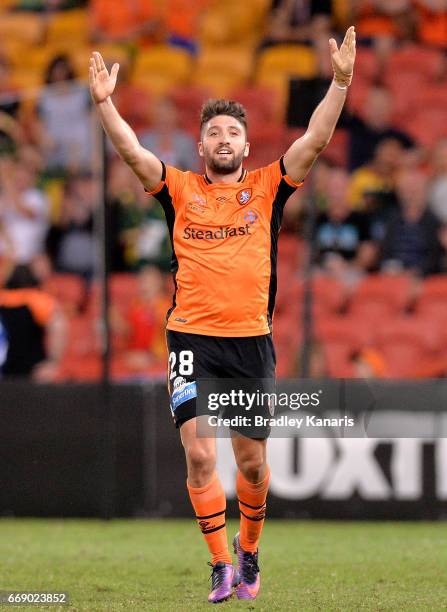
(145, 164)
(299, 158)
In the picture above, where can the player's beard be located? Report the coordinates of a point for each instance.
(224, 166)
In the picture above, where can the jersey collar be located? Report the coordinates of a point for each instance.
(208, 181)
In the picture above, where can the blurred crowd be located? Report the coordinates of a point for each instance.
(379, 190)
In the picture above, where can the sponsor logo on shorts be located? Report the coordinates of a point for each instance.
(183, 391)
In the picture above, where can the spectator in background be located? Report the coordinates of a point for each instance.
(124, 22)
(10, 110)
(375, 180)
(388, 19)
(343, 242)
(298, 21)
(411, 241)
(167, 141)
(142, 325)
(375, 125)
(6, 248)
(131, 101)
(49, 6)
(342, 237)
(437, 196)
(65, 127)
(139, 224)
(181, 21)
(431, 22)
(34, 326)
(72, 243)
(24, 210)
(368, 363)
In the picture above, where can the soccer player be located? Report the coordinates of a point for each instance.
(224, 228)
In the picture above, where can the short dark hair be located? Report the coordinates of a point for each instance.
(60, 60)
(213, 108)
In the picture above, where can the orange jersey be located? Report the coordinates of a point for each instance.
(224, 240)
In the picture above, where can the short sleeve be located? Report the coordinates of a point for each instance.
(171, 185)
(276, 180)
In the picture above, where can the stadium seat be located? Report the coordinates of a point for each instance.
(432, 96)
(291, 253)
(189, 101)
(329, 296)
(381, 295)
(366, 64)
(406, 342)
(122, 291)
(432, 302)
(414, 329)
(337, 149)
(341, 13)
(123, 288)
(286, 61)
(159, 68)
(81, 360)
(266, 145)
(232, 21)
(287, 335)
(411, 103)
(27, 79)
(411, 58)
(24, 27)
(428, 127)
(344, 330)
(277, 65)
(358, 95)
(342, 338)
(5, 5)
(87, 369)
(259, 101)
(80, 56)
(68, 289)
(222, 71)
(339, 359)
(404, 89)
(37, 62)
(402, 357)
(68, 28)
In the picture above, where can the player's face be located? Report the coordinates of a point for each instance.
(224, 144)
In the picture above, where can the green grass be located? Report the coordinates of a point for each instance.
(161, 565)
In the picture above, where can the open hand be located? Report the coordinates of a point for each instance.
(343, 59)
(102, 84)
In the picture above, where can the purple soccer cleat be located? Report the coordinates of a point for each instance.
(248, 571)
(223, 578)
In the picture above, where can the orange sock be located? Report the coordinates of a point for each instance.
(210, 504)
(251, 497)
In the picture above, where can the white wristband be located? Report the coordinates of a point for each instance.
(340, 87)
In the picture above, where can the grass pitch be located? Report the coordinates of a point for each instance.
(150, 565)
